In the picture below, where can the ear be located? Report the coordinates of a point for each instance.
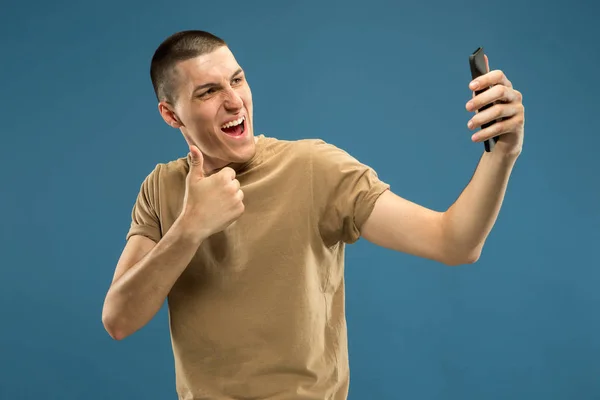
(167, 112)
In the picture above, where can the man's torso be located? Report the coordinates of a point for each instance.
(259, 312)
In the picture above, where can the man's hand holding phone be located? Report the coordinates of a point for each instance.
(499, 108)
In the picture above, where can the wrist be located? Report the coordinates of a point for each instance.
(506, 153)
(188, 230)
(502, 158)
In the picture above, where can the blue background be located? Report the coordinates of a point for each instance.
(386, 81)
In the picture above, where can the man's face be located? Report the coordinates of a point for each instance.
(211, 95)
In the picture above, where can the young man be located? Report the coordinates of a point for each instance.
(245, 236)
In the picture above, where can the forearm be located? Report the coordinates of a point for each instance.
(468, 222)
(134, 299)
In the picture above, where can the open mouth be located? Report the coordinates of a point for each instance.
(235, 128)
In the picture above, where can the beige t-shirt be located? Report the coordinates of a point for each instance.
(259, 311)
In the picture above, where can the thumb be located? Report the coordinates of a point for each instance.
(196, 162)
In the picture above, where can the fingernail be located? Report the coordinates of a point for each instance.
(470, 124)
(474, 85)
(469, 105)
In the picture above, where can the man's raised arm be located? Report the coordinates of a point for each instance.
(457, 235)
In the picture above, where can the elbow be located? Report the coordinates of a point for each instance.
(463, 258)
(111, 324)
(112, 329)
(472, 258)
(116, 335)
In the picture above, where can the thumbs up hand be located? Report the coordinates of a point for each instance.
(210, 204)
(197, 163)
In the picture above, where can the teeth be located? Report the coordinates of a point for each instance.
(234, 123)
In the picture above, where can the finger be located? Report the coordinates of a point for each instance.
(227, 173)
(499, 128)
(492, 78)
(236, 184)
(240, 195)
(503, 126)
(493, 113)
(196, 160)
(497, 93)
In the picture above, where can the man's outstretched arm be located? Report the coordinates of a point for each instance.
(457, 235)
(453, 237)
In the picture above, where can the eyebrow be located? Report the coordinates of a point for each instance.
(211, 84)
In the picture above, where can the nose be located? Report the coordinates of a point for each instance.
(233, 101)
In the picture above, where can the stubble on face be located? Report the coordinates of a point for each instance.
(211, 90)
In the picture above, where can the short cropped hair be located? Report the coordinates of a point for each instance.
(178, 47)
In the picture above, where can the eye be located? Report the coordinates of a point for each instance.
(206, 93)
(237, 81)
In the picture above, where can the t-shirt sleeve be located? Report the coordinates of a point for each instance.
(145, 219)
(345, 191)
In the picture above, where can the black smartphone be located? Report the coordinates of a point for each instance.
(478, 68)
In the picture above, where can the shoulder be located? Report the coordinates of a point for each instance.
(175, 169)
(167, 172)
(288, 151)
(276, 145)
(325, 155)
(309, 149)
(325, 160)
